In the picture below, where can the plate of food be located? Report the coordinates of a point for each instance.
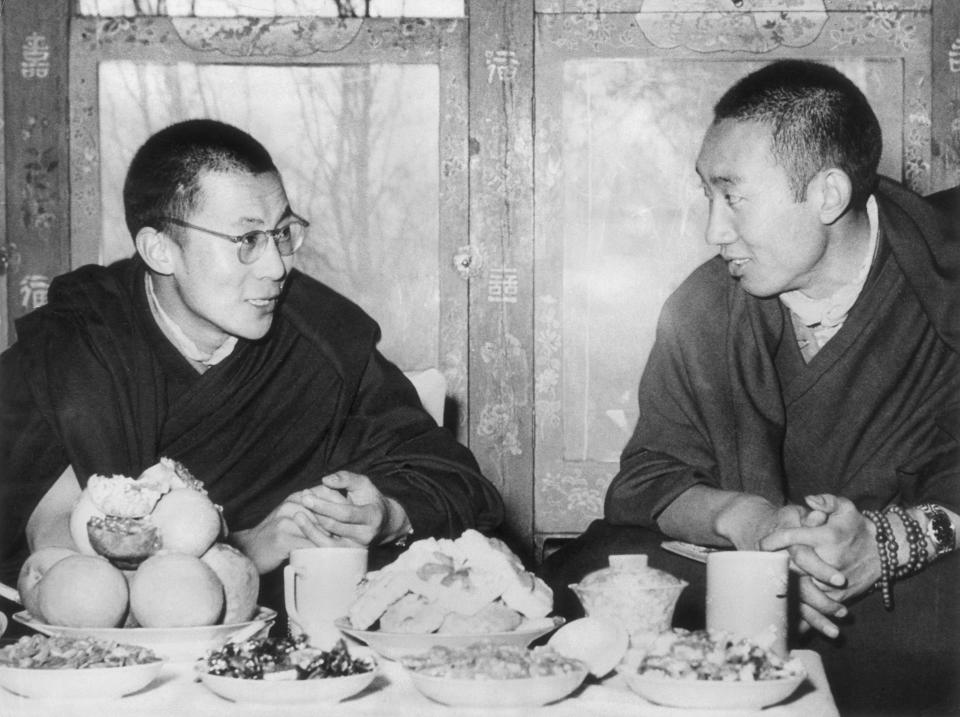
(701, 669)
(395, 645)
(484, 674)
(177, 644)
(285, 670)
(450, 593)
(41, 666)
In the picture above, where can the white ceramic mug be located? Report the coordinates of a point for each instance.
(319, 585)
(747, 595)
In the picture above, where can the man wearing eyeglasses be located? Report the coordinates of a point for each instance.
(207, 347)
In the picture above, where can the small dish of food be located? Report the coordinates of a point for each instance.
(71, 668)
(489, 675)
(275, 670)
(179, 644)
(711, 670)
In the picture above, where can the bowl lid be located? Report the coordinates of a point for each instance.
(630, 569)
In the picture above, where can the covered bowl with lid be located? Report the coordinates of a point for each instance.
(632, 594)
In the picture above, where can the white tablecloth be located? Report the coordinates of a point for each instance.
(176, 694)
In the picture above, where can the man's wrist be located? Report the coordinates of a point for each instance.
(744, 519)
(397, 528)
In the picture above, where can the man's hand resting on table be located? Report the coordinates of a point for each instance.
(834, 535)
(345, 509)
(350, 506)
(289, 526)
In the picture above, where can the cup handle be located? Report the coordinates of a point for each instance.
(290, 593)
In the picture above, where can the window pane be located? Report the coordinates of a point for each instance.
(634, 217)
(358, 149)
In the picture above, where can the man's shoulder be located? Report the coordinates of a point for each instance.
(703, 292)
(88, 291)
(322, 313)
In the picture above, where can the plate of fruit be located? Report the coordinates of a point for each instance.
(151, 567)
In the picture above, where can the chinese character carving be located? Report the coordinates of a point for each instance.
(502, 286)
(33, 291)
(36, 57)
(503, 64)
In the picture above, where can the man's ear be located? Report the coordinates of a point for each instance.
(835, 190)
(156, 248)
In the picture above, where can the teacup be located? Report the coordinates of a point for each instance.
(319, 586)
(639, 598)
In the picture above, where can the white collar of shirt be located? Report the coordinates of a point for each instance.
(831, 312)
(183, 343)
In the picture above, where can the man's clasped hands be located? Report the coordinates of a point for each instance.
(345, 509)
(832, 549)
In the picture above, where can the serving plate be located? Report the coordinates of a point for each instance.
(710, 694)
(394, 645)
(516, 692)
(79, 684)
(178, 644)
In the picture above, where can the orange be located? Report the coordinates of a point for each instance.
(83, 591)
(241, 581)
(187, 520)
(175, 590)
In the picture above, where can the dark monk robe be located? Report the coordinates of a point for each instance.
(727, 400)
(93, 383)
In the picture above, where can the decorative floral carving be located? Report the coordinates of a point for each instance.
(548, 342)
(596, 30)
(719, 25)
(38, 193)
(883, 21)
(506, 364)
(116, 30)
(251, 36)
(916, 168)
(576, 498)
(409, 34)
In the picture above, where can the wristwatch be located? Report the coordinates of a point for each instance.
(940, 530)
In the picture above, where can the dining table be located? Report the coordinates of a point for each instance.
(178, 692)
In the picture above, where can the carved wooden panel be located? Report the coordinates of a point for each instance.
(35, 106)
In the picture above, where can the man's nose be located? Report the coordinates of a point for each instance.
(271, 264)
(720, 228)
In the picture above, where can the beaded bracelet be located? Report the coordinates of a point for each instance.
(888, 557)
(916, 540)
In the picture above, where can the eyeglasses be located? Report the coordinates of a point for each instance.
(250, 246)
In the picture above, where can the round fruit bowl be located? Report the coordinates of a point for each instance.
(394, 645)
(177, 644)
(102, 683)
(710, 694)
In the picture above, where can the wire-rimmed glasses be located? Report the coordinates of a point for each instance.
(250, 246)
